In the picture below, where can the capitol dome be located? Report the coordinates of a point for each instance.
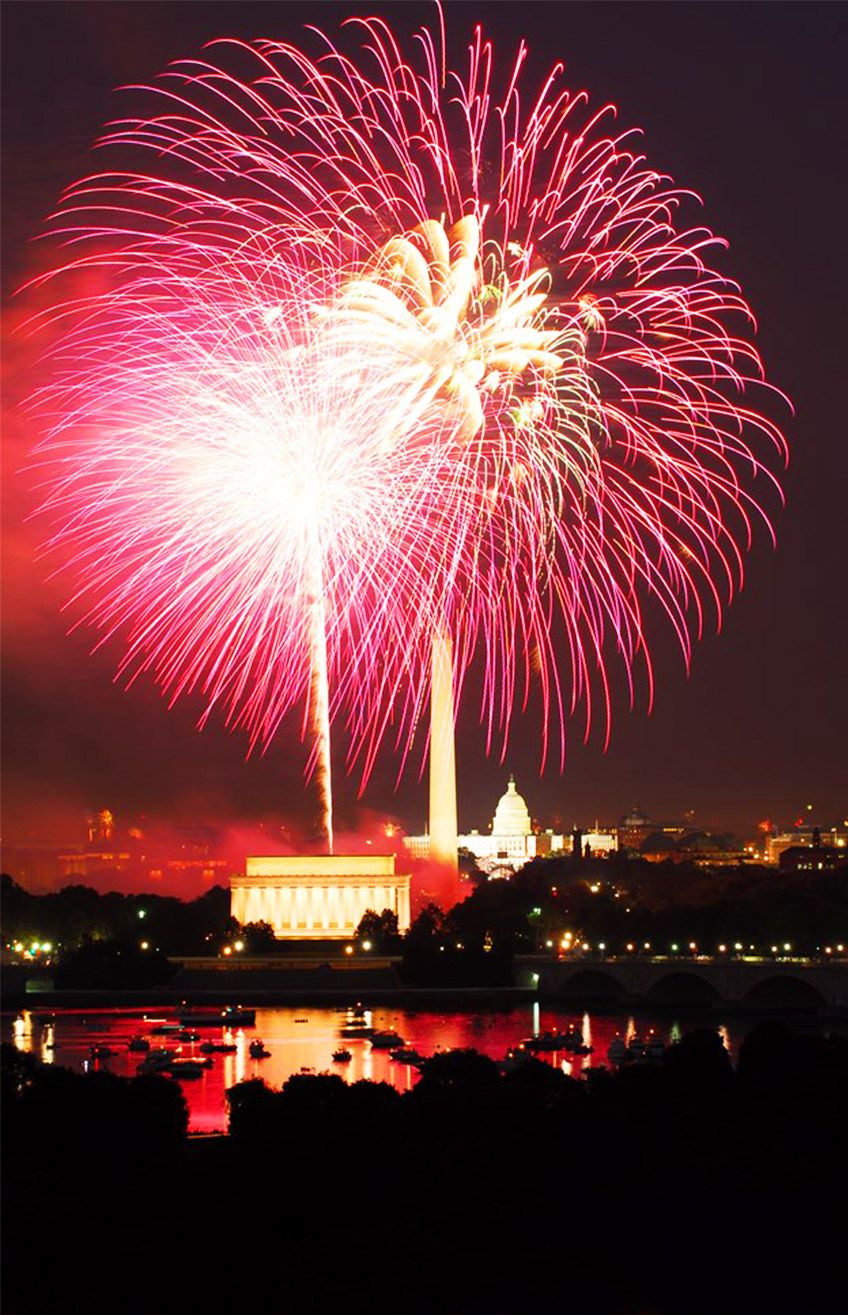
(511, 815)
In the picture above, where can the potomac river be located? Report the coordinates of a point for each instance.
(303, 1038)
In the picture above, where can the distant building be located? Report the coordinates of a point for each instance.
(94, 862)
(320, 896)
(512, 841)
(699, 847)
(805, 836)
(814, 857)
(634, 828)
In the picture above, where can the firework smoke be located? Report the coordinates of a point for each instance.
(392, 351)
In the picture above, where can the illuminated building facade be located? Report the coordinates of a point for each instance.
(512, 841)
(778, 842)
(321, 896)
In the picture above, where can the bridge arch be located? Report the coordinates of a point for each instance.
(682, 988)
(783, 991)
(592, 984)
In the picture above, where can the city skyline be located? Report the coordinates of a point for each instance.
(758, 729)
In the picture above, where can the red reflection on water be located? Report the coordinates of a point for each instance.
(303, 1040)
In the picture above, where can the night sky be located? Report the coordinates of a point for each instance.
(743, 103)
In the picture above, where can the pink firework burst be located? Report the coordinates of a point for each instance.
(390, 351)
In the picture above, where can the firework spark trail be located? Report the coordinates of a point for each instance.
(473, 324)
(319, 692)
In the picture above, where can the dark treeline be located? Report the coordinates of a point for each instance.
(620, 902)
(76, 914)
(684, 1186)
(624, 902)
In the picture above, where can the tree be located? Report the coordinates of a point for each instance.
(259, 937)
(105, 965)
(379, 931)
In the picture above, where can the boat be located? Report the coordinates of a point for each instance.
(547, 1041)
(342, 1056)
(218, 1048)
(386, 1040)
(655, 1046)
(199, 1017)
(235, 1016)
(617, 1050)
(301, 1020)
(515, 1058)
(100, 1052)
(185, 1035)
(139, 1043)
(230, 1016)
(188, 1068)
(158, 1060)
(165, 1029)
(355, 1030)
(405, 1055)
(636, 1047)
(257, 1050)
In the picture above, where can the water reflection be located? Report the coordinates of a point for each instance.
(48, 1042)
(67, 1039)
(22, 1031)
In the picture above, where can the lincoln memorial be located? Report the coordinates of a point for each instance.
(321, 896)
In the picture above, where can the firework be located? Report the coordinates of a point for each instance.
(389, 353)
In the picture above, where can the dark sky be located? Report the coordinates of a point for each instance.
(743, 103)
